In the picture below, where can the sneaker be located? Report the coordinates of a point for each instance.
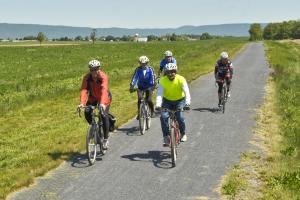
(219, 105)
(166, 141)
(183, 138)
(228, 94)
(105, 144)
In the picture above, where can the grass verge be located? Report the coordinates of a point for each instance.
(272, 171)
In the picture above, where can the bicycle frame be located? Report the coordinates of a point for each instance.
(173, 123)
(174, 133)
(144, 115)
(94, 135)
(223, 93)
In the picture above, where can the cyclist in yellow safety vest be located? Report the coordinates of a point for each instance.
(173, 93)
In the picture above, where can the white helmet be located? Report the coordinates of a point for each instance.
(143, 59)
(170, 66)
(168, 53)
(94, 64)
(224, 55)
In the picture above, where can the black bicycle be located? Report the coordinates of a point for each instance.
(94, 136)
(224, 94)
(144, 115)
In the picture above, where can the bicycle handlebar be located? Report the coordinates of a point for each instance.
(177, 110)
(78, 110)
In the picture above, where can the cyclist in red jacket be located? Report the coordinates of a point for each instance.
(223, 71)
(94, 91)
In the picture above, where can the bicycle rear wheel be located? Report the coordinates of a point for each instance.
(91, 144)
(173, 146)
(148, 116)
(142, 118)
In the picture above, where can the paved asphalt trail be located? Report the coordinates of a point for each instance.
(138, 167)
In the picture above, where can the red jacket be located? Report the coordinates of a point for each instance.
(95, 91)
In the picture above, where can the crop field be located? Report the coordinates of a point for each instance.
(39, 93)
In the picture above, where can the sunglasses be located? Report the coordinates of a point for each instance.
(170, 71)
(94, 69)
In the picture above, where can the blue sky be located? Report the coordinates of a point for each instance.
(146, 13)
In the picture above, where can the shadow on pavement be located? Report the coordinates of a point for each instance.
(81, 161)
(76, 159)
(160, 159)
(212, 110)
(132, 131)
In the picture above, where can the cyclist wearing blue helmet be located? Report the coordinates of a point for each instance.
(167, 59)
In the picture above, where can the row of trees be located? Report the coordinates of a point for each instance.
(275, 31)
(169, 37)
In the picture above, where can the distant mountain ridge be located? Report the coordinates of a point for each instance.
(13, 31)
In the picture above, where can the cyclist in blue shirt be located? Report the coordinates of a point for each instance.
(145, 78)
(168, 59)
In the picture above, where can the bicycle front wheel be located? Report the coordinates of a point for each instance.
(148, 116)
(173, 146)
(224, 96)
(91, 144)
(142, 118)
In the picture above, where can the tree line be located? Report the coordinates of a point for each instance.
(275, 31)
(41, 37)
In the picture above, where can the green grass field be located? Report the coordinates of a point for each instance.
(39, 92)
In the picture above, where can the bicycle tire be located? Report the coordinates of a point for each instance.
(148, 116)
(91, 144)
(223, 97)
(173, 145)
(177, 134)
(142, 119)
(101, 138)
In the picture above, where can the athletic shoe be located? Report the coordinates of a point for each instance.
(228, 94)
(105, 144)
(183, 138)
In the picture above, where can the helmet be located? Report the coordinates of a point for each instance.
(168, 53)
(143, 59)
(170, 66)
(224, 55)
(94, 64)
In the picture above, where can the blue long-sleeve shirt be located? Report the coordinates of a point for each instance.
(163, 63)
(144, 78)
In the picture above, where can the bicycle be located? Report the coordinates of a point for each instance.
(174, 132)
(144, 114)
(94, 134)
(224, 94)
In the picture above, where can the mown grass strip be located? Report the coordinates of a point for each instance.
(40, 91)
(274, 173)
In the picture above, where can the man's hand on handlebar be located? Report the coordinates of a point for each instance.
(131, 89)
(187, 107)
